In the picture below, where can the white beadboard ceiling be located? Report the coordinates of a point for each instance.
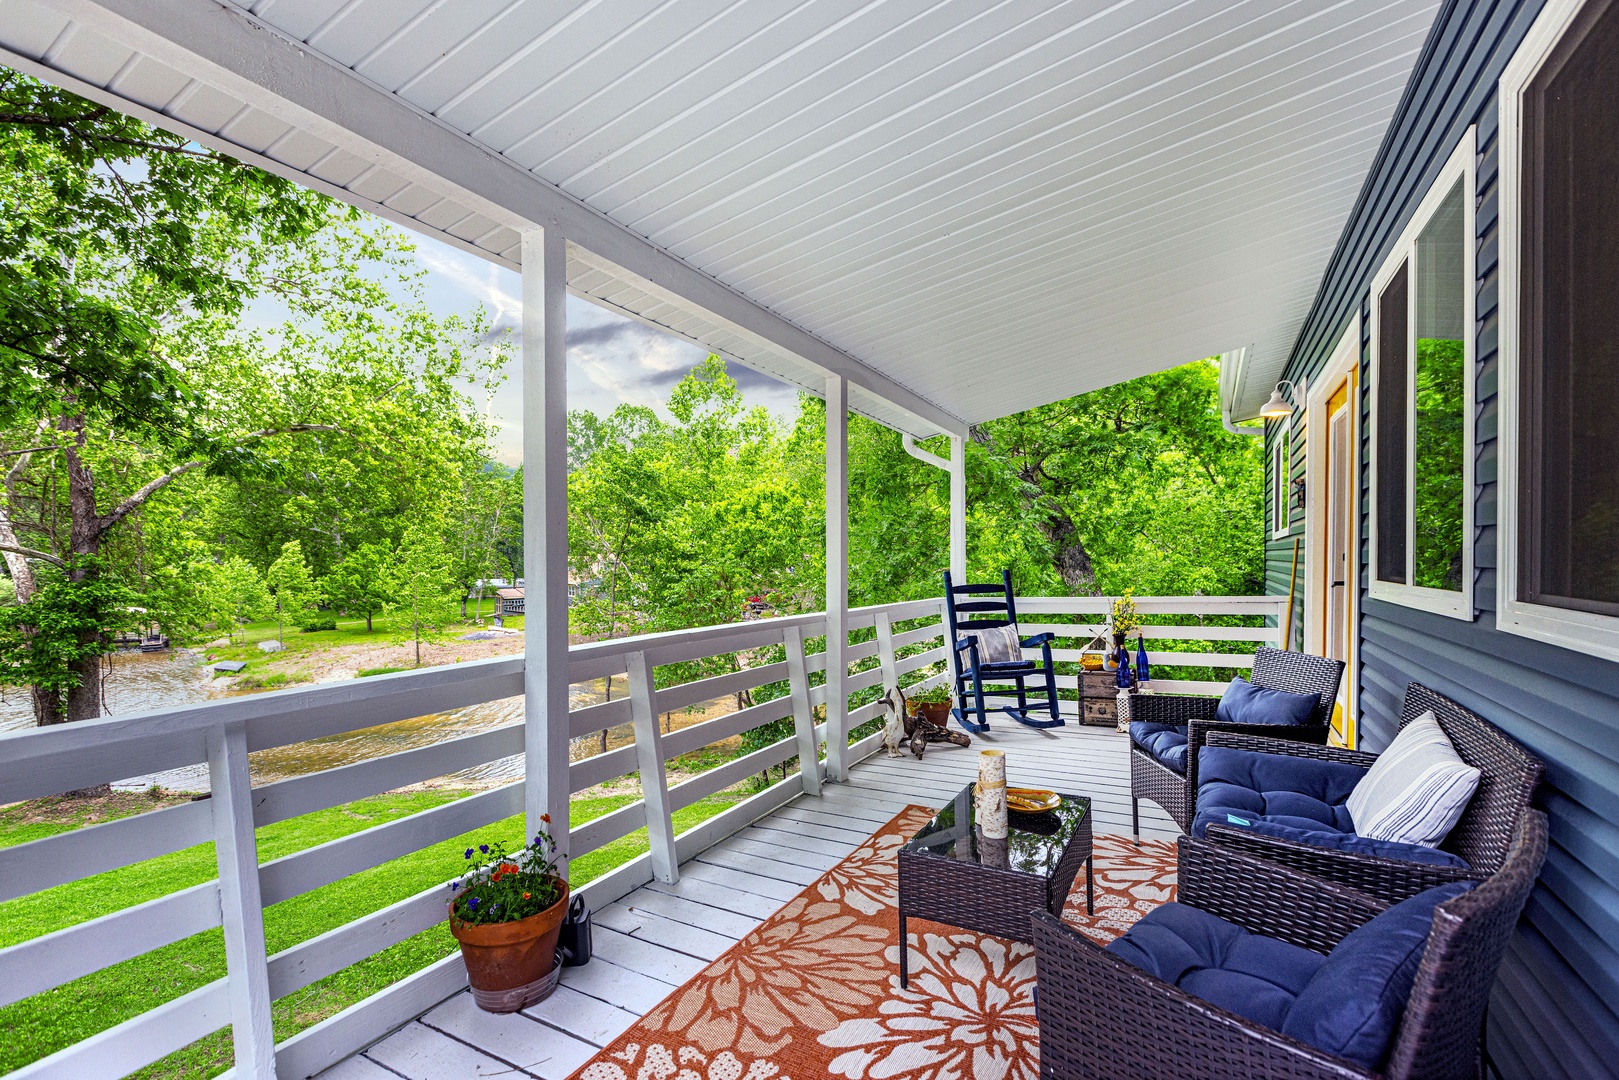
(991, 205)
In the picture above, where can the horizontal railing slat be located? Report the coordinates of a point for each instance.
(907, 638)
(296, 874)
(44, 761)
(1167, 659)
(138, 1041)
(34, 966)
(298, 795)
(920, 660)
(603, 830)
(700, 735)
(733, 682)
(600, 768)
(310, 961)
(95, 849)
(593, 718)
(718, 779)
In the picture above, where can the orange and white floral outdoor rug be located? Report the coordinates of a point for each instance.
(814, 990)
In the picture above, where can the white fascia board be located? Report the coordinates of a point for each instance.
(224, 46)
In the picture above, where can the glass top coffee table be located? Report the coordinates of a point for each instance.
(949, 872)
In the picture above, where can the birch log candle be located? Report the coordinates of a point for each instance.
(992, 794)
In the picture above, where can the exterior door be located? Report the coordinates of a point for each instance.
(1337, 568)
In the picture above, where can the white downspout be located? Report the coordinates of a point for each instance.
(956, 466)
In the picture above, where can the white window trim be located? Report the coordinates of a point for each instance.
(1457, 605)
(1586, 632)
(1281, 514)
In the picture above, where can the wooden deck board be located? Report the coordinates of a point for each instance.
(661, 934)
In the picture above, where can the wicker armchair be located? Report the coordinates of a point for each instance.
(1100, 1017)
(1275, 669)
(1481, 837)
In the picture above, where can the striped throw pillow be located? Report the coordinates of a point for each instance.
(1416, 790)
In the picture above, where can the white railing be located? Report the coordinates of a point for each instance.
(43, 762)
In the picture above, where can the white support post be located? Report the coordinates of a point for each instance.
(958, 509)
(837, 578)
(885, 651)
(236, 850)
(660, 826)
(545, 532)
(809, 748)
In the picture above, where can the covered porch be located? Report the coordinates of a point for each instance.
(930, 216)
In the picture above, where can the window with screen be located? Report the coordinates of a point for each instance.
(1422, 402)
(1568, 424)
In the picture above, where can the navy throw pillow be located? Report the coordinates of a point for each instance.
(1352, 1005)
(1245, 703)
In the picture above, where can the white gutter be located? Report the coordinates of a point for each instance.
(956, 466)
(1233, 373)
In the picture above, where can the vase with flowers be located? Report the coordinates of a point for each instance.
(507, 915)
(1125, 620)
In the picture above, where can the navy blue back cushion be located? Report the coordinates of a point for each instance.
(1352, 1005)
(1245, 703)
(1165, 742)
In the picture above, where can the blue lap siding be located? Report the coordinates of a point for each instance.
(1553, 1012)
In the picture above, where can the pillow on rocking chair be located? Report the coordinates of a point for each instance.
(998, 645)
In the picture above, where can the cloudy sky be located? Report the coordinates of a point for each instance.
(611, 359)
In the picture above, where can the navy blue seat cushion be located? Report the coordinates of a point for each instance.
(1352, 1005)
(1165, 742)
(1220, 962)
(1325, 837)
(1296, 791)
(1294, 798)
(1245, 703)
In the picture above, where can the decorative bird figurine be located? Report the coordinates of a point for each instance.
(893, 720)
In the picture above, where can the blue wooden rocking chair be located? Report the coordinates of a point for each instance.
(972, 669)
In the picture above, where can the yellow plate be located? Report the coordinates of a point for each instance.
(1032, 800)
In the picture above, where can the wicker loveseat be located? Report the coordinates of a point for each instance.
(1103, 1017)
(1176, 790)
(1509, 775)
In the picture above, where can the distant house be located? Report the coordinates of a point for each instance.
(508, 601)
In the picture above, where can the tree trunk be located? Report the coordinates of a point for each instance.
(83, 700)
(1068, 552)
(368, 622)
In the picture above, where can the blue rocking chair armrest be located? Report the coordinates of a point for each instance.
(966, 643)
(1038, 639)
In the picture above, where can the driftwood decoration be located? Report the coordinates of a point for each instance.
(899, 726)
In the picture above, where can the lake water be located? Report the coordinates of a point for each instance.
(143, 681)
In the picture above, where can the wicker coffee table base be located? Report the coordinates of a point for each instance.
(986, 899)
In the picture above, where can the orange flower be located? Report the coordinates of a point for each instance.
(525, 896)
(546, 818)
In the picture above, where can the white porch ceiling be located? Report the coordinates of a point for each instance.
(990, 205)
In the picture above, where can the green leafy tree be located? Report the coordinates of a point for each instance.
(238, 594)
(139, 421)
(70, 611)
(108, 229)
(359, 584)
(292, 584)
(424, 582)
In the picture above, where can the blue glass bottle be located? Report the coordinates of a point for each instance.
(1124, 677)
(1143, 672)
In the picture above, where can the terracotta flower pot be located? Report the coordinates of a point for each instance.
(934, 712)
(512, 965)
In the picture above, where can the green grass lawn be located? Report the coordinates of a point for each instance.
(40, 1025)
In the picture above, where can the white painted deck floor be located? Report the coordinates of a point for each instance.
(658, 936)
